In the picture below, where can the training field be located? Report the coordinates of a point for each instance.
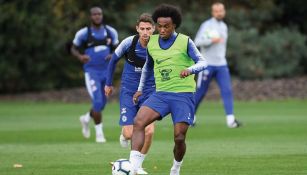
(45, 138)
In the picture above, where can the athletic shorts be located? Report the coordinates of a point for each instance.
(179, 105)
(128, 109)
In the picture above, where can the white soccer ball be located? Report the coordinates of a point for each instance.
(122, 167)
(211, 33)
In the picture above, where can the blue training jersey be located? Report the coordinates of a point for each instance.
(97, 54)
(131, 75)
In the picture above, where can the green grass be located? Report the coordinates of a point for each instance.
(46, 139)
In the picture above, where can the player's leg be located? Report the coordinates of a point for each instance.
(149, 131)
(153, 108)
(224, 82)
(127, 113)
(182, 110)
(180, 130)
(125, 135)
(144, 117)
(85, 119)
(203, 81)
(96, 89)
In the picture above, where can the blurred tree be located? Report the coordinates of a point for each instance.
(35, 35)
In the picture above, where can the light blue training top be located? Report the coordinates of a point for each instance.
(215, 54)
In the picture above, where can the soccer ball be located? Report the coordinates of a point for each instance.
(122, 167)
(211, 33)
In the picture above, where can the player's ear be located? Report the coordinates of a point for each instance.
(137, 28)
(153, 28)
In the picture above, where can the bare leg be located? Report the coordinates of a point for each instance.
(180, 130)
(97, 116)
(149, 131)
(144, 117)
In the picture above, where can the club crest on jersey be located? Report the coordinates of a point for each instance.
(124, 118)
(165, 74)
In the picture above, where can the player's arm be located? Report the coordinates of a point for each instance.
(114, 40)
(147, 71)
(200, 61)
(119, 52)
(77, 42)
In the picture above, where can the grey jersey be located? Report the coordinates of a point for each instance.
(215, 54)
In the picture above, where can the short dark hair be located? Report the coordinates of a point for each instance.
(167, 10)
(145, 17)
(95, 7)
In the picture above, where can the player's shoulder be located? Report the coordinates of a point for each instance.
(128, 41)
(209, 21)
(125, 44)
(82, 32)
(110, 28)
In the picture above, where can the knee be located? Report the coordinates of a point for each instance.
(179, 139)
(127, 134)
(138, 122)
(149, 131)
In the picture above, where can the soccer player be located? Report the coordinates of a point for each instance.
(212, 40)
(93, 46)
(171, 58)
(134, 50)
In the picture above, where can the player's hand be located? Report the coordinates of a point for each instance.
(84, 58)
(108, 90)
(109, 41)
(185, 73)
(136, 97)
(217, 40)
(108, 57)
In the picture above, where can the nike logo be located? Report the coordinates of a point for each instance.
(162, 60)
(130, 60)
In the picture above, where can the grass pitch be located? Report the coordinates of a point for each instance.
(45, 139)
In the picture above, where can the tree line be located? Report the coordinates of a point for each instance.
(267, 39)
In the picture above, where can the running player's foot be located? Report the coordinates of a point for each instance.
(85, 127)
(141, 171)
(234, 124)
(174, 171)
(100, 138)
(123, 141)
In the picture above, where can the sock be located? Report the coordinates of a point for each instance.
(136, 159)
(87, 117)
(176, 165)
(142, 159)
(99, 128)
(230, 119)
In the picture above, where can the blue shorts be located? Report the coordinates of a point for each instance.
(128, 109)
(95, 82)
(180, 105)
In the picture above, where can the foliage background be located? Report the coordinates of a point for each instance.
(267, 39)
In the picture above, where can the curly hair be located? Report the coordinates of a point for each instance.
(167, 10)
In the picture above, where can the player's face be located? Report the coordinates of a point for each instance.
(165, 27)
(96, 16)
(218, 11)
(145, 29)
